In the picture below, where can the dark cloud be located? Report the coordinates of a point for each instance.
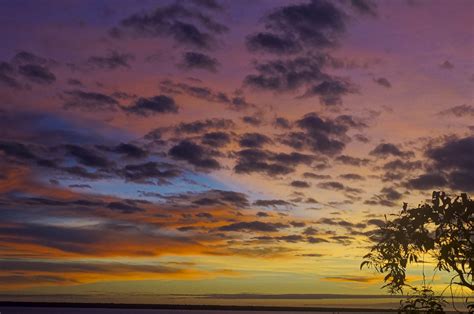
(273, 203)
(196, 60)
(90, 241)
(341, 222)
(310, 231)
(82, 172)
(87, 157)
(386, 149)
(330, 92)
(233, 102)
(74, 82)
(194, 154)
(459, 111)
(288, 74)
(314, 24)
(300, 184)
(293, 158)
(392, 176)
(127, 150)
(18, 150)
(398, 164)
(37, 74)
(428, 182)
(331, 185)
(26, 67)
(238, 103)
(74, 267)
(253, 140)
(297, 224)
(391, 194)
(311, 255)
(150, 171)
(216, 139)
(71, 240)
(376, 222)
(255, 160)
(253, 226)
(272, 164)
(154, 105)
(454, 153)
(387, 197)
(351, 122)
(125, 208)
(21, 279)
(8, 76)
(362, 138)
(383, 82)
(353, 161)
(123, 95)
(89, 101)
(446, 65)
(314, 123)
(350, 192)
(208, 4)
(315, 240)
(292, 238)
(208, 198)
(352, 176)
(324, 136)
(449, 164)
(186, 26)
(130, 150)
(80, 186)
(235, 199)
(113, 60)
(255, 121)
(310, 175)
(25, 57)
(282, 123)
(306, 29)
(200, 126)
(187, 228)
(272, 43)
(455, 158)
(204, 215)
(365, 6)
(357, 279)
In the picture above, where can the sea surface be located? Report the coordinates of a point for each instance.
(42, 310)
(381, 304)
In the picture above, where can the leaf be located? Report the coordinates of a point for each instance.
(364, 263)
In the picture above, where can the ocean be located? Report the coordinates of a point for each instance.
(46, 310)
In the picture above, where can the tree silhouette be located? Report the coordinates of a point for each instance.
(443, 230)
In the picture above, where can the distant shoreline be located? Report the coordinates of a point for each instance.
(186, 307)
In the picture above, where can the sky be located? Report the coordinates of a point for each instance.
(223, 147)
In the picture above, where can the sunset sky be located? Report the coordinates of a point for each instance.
(223, 147)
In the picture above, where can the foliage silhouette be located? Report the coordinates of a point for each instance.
(443, 230)
(424, 300)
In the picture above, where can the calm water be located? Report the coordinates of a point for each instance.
(32, 310)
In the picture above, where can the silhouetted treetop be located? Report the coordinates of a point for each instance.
(443, 230)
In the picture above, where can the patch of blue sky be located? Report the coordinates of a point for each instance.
(120, 188)
(71, 130)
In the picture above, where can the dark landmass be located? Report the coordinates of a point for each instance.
(294, 296)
